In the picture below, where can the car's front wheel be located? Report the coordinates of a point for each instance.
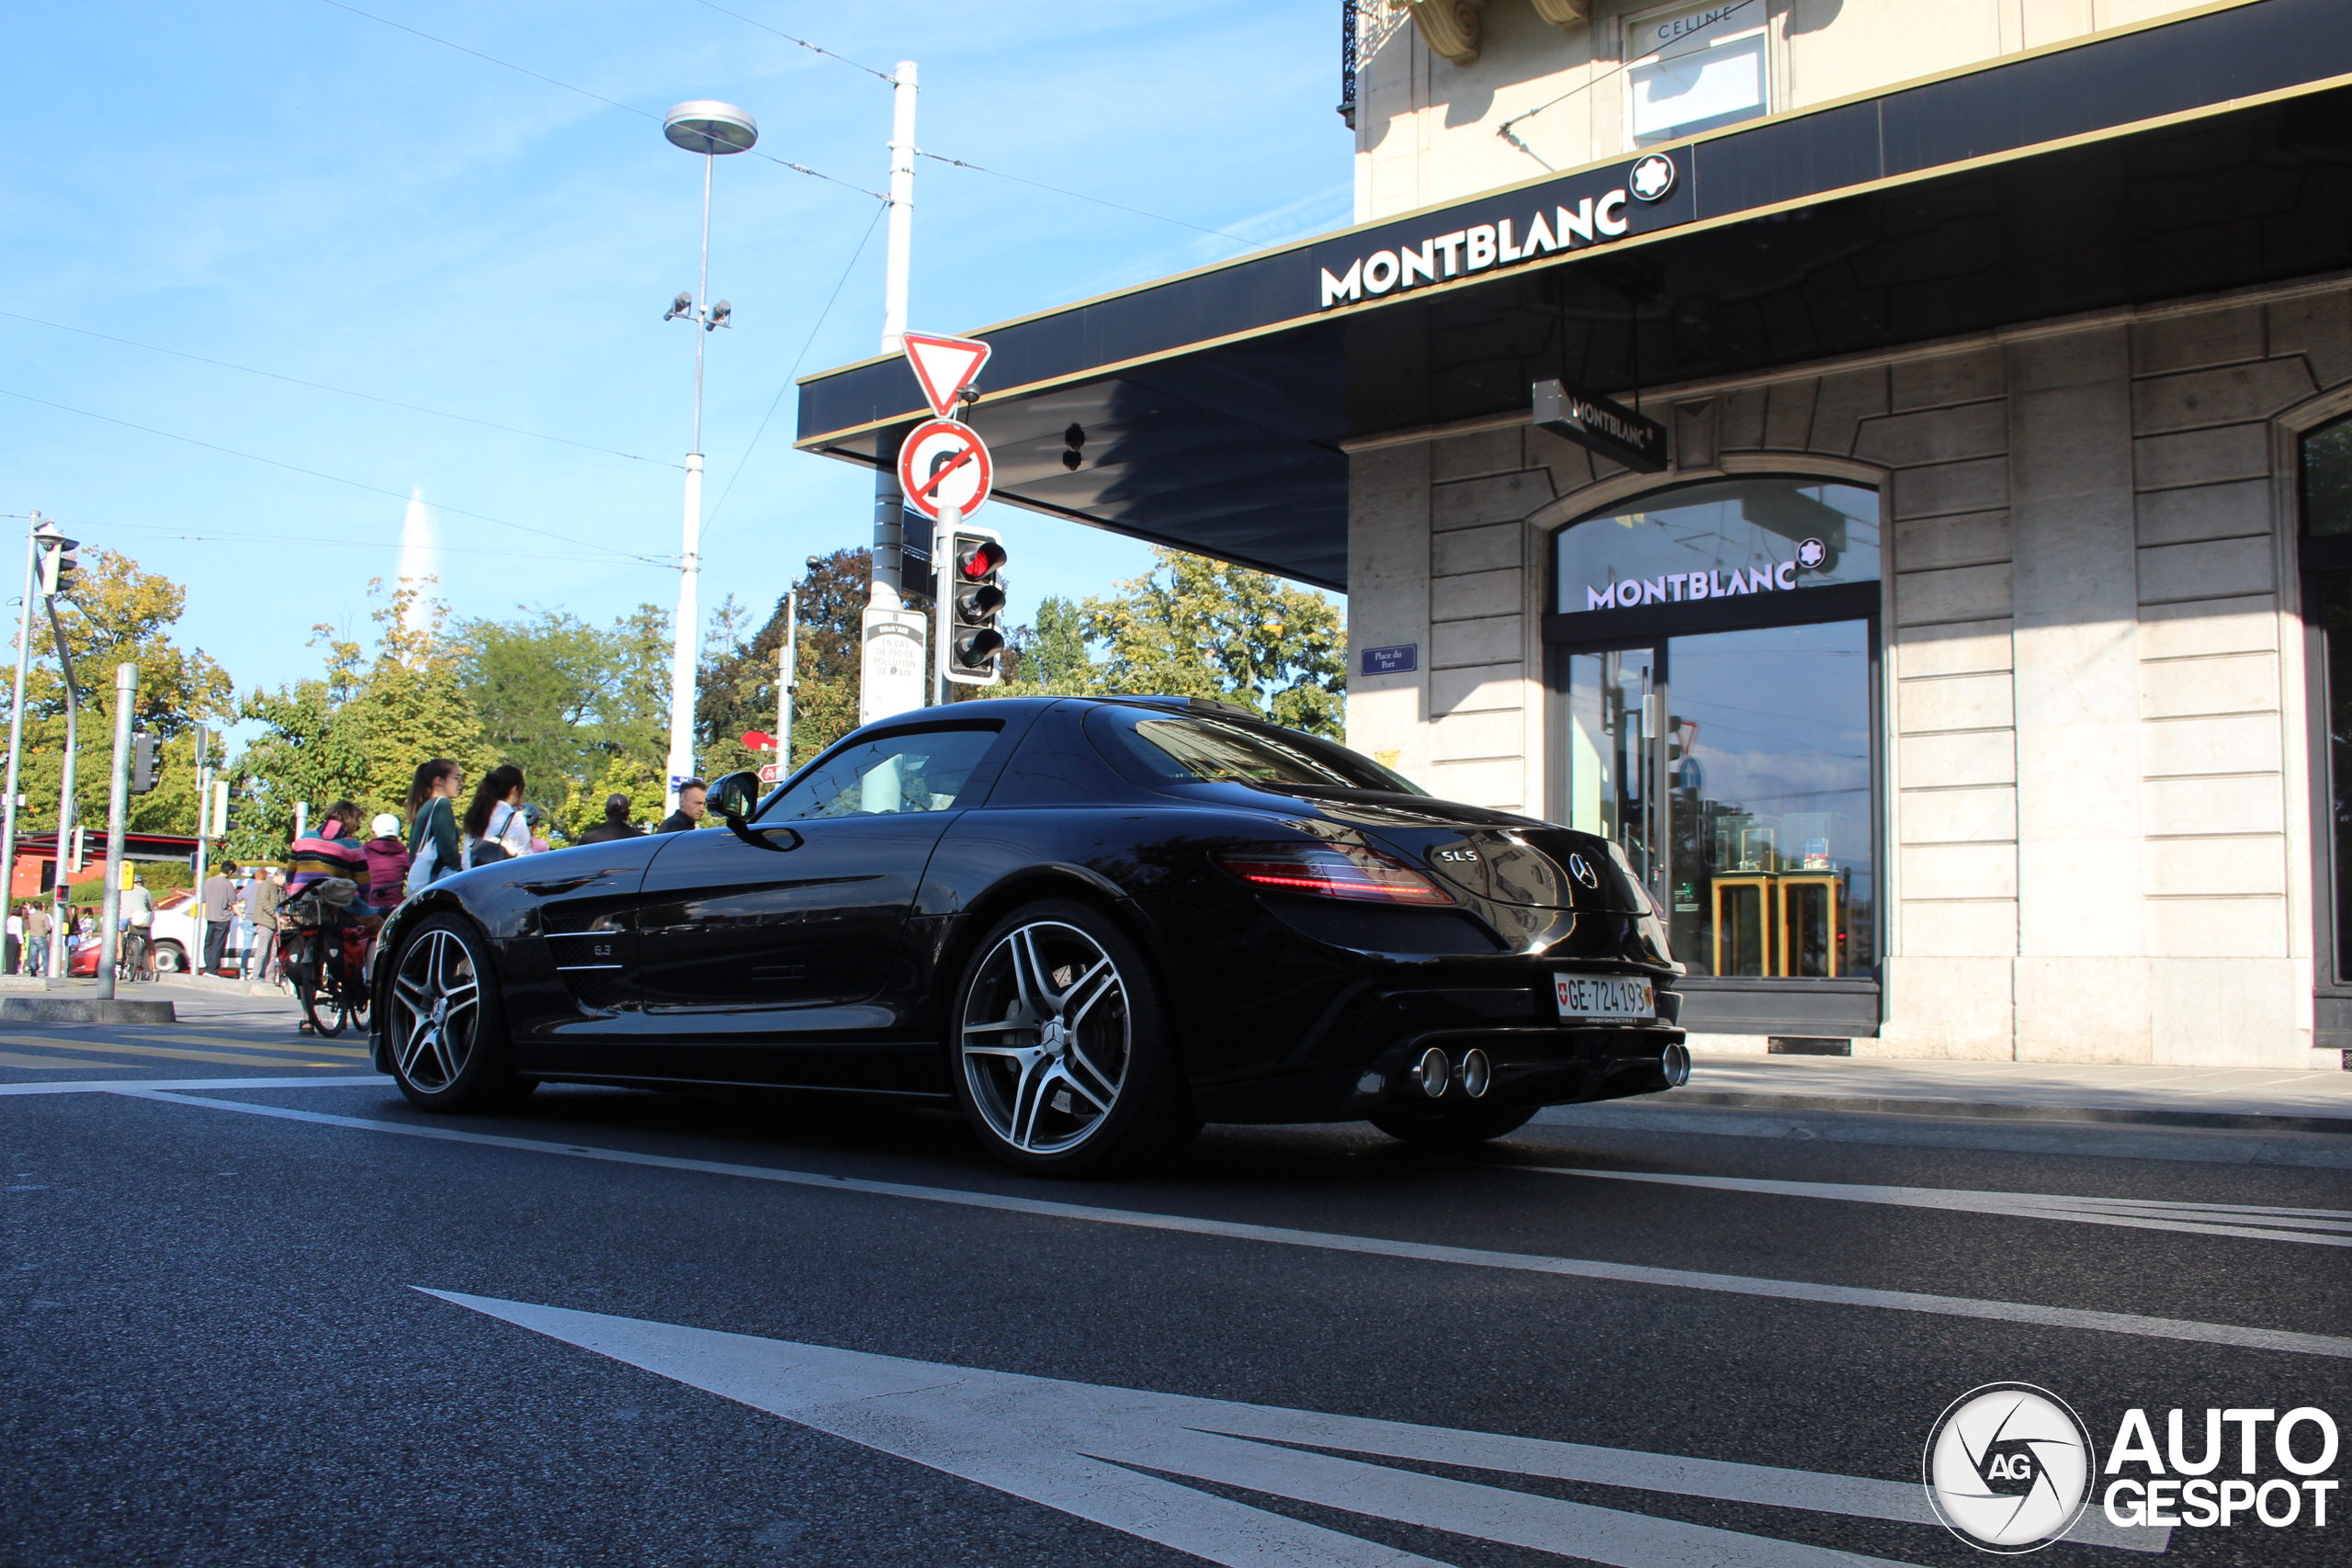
(444, 1031)
(1062, 1060)
(169, 958)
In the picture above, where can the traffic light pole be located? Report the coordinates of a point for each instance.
(16, 721)
(125, 692)
(203, 805)
(58, 958)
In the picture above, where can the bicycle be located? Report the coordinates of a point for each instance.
(329, 977)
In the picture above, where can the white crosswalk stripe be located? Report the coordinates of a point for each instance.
(2319, 1227)
(1081, 1447)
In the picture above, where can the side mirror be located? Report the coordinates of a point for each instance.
(734, 797)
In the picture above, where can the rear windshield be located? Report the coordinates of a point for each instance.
(1191, 749)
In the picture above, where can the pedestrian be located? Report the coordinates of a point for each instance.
(534, 817)
(14, 942)
(433, 845)
(220, 912)
(262, 899)
(693, 796)
(37, 929)
(135, 909)
(333, 851)
(616, 824)
(496, 827)
(387, 864)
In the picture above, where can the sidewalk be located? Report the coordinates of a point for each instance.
(2182, 1097)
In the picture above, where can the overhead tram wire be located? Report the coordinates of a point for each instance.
(165, 531)
(1080, 196)
(845, 60)
(340, 391)
(337, 478)
(777, 401)
(569, 87)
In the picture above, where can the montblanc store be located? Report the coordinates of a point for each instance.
(1916, 529)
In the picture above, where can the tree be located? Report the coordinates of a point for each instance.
(1195, 628)
(119, 613)
(1050, 657)
(360, 732)
(582, 710)
(739, 674)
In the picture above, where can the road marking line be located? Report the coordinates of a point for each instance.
(2242, 1220)
(2232, 1335)
(12, 1059)
(92, 1086)
(288, 1041)
(118, 1048)
(1081, 1447)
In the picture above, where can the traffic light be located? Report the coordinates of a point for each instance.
(971, 608)
(61, 566)
(144, 758)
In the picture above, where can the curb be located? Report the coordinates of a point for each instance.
(42, 1010)
(2001, 1111)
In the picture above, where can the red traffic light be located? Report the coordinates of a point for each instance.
(977, 559)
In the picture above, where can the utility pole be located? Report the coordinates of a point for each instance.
(125, 692)
(16, 718)
(203, 806)
(57, 570)
(713, 130)
(788, 672)
(889, 503)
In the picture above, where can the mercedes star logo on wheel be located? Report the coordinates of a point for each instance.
(2008, 1468)
(1652, 177)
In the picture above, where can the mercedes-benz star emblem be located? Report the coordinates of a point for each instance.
(1581, 869)
(2009, 1468)
(1811, 553)
(1652, 177)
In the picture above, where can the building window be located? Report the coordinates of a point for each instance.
(1724, 738)
(1695, 67)
(2327, 612)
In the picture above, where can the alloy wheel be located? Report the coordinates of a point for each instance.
(1046, 1040)
(435, 1011)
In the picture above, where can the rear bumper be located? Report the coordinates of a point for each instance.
(1368, 1064)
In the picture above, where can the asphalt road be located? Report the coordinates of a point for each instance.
(258, 1312)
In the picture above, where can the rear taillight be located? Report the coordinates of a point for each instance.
(1331, 871)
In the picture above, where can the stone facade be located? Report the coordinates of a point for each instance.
(1538, 94)
(2096, 784)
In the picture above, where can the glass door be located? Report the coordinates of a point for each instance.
(1735, 769)
(1615, 757)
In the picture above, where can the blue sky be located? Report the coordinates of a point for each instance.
(290, 186)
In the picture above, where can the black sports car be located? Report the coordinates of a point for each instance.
(1092, 923)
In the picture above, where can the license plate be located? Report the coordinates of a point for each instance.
(1603, 996)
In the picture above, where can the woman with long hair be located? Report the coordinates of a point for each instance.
(434, 848)
(496, 829)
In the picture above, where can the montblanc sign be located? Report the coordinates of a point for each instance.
(1540, 222)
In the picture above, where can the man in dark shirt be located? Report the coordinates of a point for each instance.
(615, 825)
(688, 816)
(220, 912)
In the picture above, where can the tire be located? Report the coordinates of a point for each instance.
(1059, 1046)
(1454, 1127)
(444, 1033)
(315, 988)
(169, 959)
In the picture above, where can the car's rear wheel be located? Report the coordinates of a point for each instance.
(1062, 1057)
(1454, 1125)
(444, 1031)
(169, 958)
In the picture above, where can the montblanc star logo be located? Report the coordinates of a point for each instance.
(1811, 553)
(1652, 177)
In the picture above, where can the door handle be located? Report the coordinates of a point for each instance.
(764, 837)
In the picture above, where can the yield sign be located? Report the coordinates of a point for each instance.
(945, 366)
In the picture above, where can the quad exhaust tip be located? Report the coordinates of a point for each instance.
(1677, 1063)
(1434, 1072)
(1477, 1074)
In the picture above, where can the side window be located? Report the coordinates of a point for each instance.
(922, 771)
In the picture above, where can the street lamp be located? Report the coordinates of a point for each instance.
(713, 130)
